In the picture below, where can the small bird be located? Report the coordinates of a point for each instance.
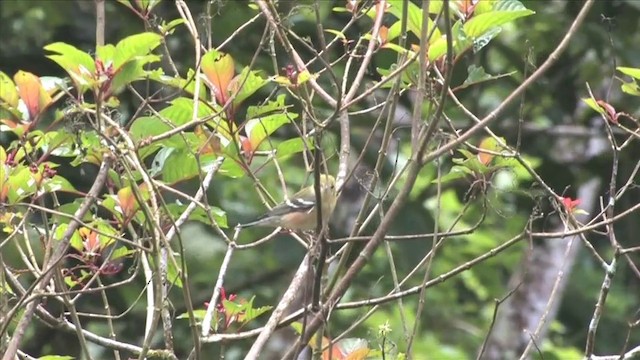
(299, 212)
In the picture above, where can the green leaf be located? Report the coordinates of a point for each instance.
(130, 72)
(168, 28)
(173, 273)
(69, 209)
(134, 46)
(481, 24)
(633, 72)
(148, 126)
(58, 183)
(78, 64)
(8, 92)
(259, 129)
(293, 146)
(461, 41)
(594, 105)
(76, 239)
(106, 53)
(185, 85)
(121, 252)
(484, 39)
(252, 313)
(148, 5)
(181, 110)
(111, 203)
(414, 19)
(58, 143)
(508, 5)
(396, 48)
(271, 106)
(126, 3)
(21, 185)
(631, 88)
(407, 77)
(250, 81)
(180, 165)
(394, 31)
(456, 173)
(199, 214)
(340, 35)
(197, 315)
(476, 75)
(230, 169)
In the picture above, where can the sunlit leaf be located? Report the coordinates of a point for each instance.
(57, 357)
(484, 39)
(250, 81)
(633, 72)
(259, 129)
(490, 144)
(8, 92)
(127, 201)
(271, 106)
(126, 3)
(480, 24)
(133, 46)
(121, 252)
(78, 64)
(168, 28)
(32, 93)
(414, 19)
(58, 183)
(631, 88)
(230, 168)
(199, 214)
(197, 315)
(293, 146)
(130, 72)
(340, 35)
(219, 70)
(508, 5)
(593, 105)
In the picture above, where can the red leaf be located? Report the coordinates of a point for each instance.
(35, 97)
(247, 148)
(219, 70)
(610, 110)
(570, 204)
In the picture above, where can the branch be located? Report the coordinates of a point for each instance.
(41, 282)
(278, 313)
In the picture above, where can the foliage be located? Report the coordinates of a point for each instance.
(124, 169)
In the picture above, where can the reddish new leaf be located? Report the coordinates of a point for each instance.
(570, 204)
(612, 115)
(219, 70)
(35, 97)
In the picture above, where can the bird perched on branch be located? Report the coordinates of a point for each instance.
(299, 212)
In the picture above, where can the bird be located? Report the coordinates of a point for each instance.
(299, 212)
